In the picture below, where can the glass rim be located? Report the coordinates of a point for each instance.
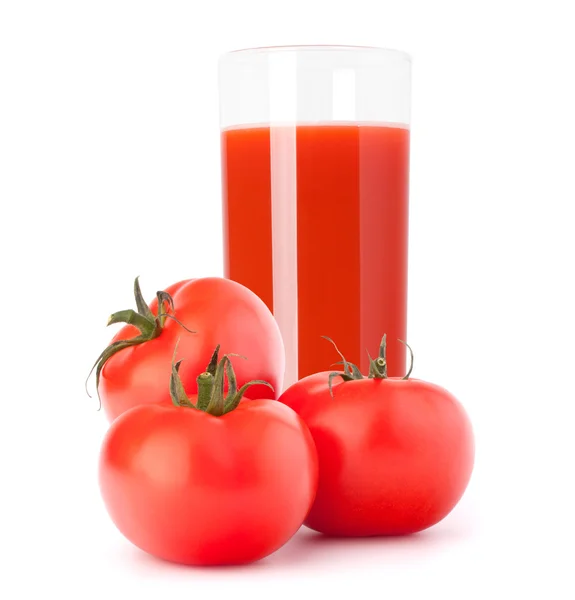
(390, 52)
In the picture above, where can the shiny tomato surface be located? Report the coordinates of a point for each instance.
(395, 456)
(197, 489)
(219, 311)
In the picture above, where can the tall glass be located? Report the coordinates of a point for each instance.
(315, 167)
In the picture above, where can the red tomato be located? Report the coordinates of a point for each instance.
(220, 311)
(194, 488)
(395, 455)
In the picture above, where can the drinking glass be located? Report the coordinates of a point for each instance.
(315, 169)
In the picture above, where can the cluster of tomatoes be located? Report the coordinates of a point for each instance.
(203, 464)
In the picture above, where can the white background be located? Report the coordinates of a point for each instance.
(109, 168)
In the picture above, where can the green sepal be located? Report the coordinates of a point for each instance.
(377, 367)
(346, 366)
(149, 325)
(112, 349)
(163, 298)
(142, 305)
(217, 403)
(177, 391)
(383, 347)
(232, 381)
(145, 326)
(372, 368)
(232, 402)
(335, 374)
(351, 371)
(211, 387)
(411, 359)
(213, 365)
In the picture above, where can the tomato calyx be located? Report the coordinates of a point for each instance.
(149, 325)
(377, 366)
(211, 397)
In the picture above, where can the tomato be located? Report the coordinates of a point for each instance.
(219, 311)
(225, 484)
(395, 455)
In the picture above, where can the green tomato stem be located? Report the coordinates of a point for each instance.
(205, 383)
(377, 367)
(211, 387)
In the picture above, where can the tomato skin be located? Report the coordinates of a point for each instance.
(220, 311)
(394, 456)
(192, 488)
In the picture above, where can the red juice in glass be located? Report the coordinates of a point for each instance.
(316, 220)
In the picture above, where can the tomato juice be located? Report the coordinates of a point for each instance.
(316, 224)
